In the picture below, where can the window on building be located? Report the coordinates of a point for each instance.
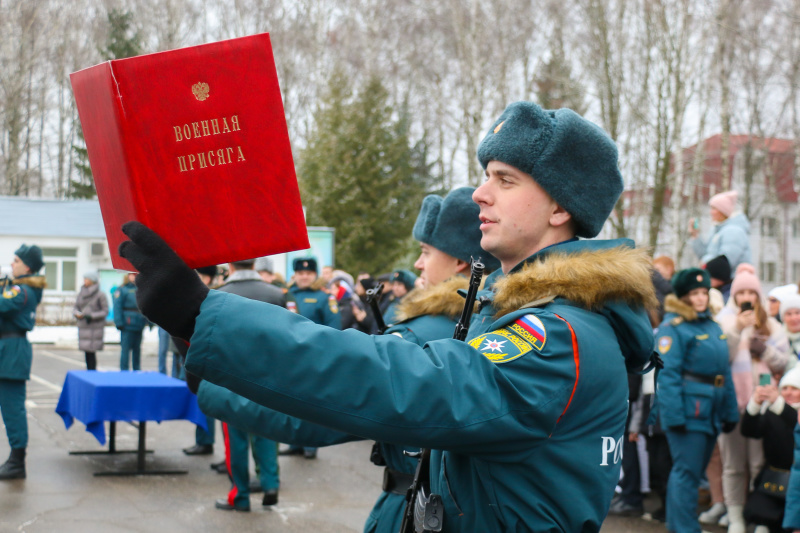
(795, 272)
(61, 268)
(768, 272)
(796, 228)
(769, 227)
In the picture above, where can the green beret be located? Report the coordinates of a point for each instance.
(685, 281)
(31, 256)
(406, 277)
(451, 224)
(572, 159)
(305, 263)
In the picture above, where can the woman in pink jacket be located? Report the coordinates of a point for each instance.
(757, 346)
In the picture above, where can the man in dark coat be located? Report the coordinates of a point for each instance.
(244, 281)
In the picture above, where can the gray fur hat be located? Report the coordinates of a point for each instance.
(451, 224)
(91, 276)
(264, 264)
(572, 159)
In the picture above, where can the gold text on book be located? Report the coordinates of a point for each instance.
(200, 90)
(212, 158)
(204, 128)
(206, 158)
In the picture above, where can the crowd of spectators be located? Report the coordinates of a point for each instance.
(745, 469)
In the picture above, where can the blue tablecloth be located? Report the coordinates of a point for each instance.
(94, 397)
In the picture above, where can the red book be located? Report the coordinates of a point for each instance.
(193, 144)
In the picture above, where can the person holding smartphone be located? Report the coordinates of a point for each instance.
(771, 416)
(757, 345)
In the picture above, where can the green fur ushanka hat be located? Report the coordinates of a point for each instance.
(31, 256)
(572, 159)
(685, 281)
(451, 224)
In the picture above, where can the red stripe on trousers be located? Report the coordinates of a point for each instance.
(233, 492)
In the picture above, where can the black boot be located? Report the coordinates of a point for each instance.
(14, 468)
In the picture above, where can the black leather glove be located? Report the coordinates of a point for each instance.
(168, 293)
(727, 427)
(678, 429)
(88, 318)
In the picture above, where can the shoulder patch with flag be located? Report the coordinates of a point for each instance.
(530, 328)
(11, 292)
(333, 304)
(501, 346)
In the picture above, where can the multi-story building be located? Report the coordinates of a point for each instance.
(762, 171)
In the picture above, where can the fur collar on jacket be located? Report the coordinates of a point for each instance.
(442, 299)
(588, 279)
(673, 304)
(34, 282)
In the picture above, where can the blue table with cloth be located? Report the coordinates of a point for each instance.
(137, 397)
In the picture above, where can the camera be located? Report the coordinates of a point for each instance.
(746, 306)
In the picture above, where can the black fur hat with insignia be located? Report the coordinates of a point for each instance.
(685, 281)
(305, 263)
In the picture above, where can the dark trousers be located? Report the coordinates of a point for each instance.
(12, 407)
(660, 465)
(691, 452)
(265, 453)
(130, 350)
(203, 437)
(631, 483)
(91, 360)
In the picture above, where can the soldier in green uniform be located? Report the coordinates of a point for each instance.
(17, 316)
(448, 240)
(130, 322)
(524, 420)
(316, 305)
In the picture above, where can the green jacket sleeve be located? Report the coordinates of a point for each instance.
(248, 416)
(13, 299)
(446, 395)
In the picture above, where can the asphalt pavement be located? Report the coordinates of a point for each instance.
(333, 493)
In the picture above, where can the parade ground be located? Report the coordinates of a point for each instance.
(333, 493)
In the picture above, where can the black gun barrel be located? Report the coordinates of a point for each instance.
(476, 274)
(373, 299)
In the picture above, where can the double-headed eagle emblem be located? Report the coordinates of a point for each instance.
(200, 90)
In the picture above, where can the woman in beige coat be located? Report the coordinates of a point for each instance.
(757, 346)
(91, 309)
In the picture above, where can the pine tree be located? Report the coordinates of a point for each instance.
(360, 175)
(122, 42)
(555, 87)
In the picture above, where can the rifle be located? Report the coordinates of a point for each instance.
(423, 507)
(373, 298)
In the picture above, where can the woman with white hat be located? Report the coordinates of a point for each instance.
(790, 316)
